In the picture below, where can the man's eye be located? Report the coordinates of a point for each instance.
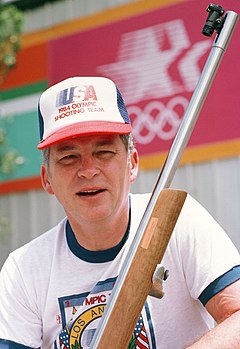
(105, 153)
(68, 157)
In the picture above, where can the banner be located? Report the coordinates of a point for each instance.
(156, 59)
(155, 55)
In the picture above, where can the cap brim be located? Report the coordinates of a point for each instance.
(83, 129)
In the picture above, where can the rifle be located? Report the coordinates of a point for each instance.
(135, 278)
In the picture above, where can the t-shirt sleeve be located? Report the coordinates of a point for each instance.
(206, 253)
(20, 323)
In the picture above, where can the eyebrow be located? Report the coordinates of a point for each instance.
(65, 148)
(105, 142)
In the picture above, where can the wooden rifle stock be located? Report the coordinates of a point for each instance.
(146, 251)
(138, 281)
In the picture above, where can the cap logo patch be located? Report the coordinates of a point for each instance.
(75, 100)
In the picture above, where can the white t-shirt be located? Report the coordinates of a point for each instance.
(53, 291)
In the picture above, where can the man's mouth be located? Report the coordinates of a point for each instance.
(90, 192)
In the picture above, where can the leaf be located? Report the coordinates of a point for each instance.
(11, 23)
(76, 345)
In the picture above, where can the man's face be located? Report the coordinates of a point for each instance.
(91, 177)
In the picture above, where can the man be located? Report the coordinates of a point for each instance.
(54, 289)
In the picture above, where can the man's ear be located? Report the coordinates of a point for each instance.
(45, 180)
(134, 165)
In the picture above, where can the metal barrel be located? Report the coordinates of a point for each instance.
(179, 144)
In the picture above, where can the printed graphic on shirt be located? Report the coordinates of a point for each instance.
(81, 314)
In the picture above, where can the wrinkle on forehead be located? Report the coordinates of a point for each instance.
(96, 139)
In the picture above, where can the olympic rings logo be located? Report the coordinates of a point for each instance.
(157, 119)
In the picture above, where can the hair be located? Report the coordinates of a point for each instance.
(127, 140)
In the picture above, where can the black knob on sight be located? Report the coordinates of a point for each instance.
(214, 20)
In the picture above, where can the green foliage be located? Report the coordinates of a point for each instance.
(9, 158)
(11, 22)
(76, 345)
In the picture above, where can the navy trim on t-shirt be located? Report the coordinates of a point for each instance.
(6, 344)
(219, 284)
(95, 256)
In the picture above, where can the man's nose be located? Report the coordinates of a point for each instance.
(88, 167)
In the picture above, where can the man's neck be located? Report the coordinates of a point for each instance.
(99, 236)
